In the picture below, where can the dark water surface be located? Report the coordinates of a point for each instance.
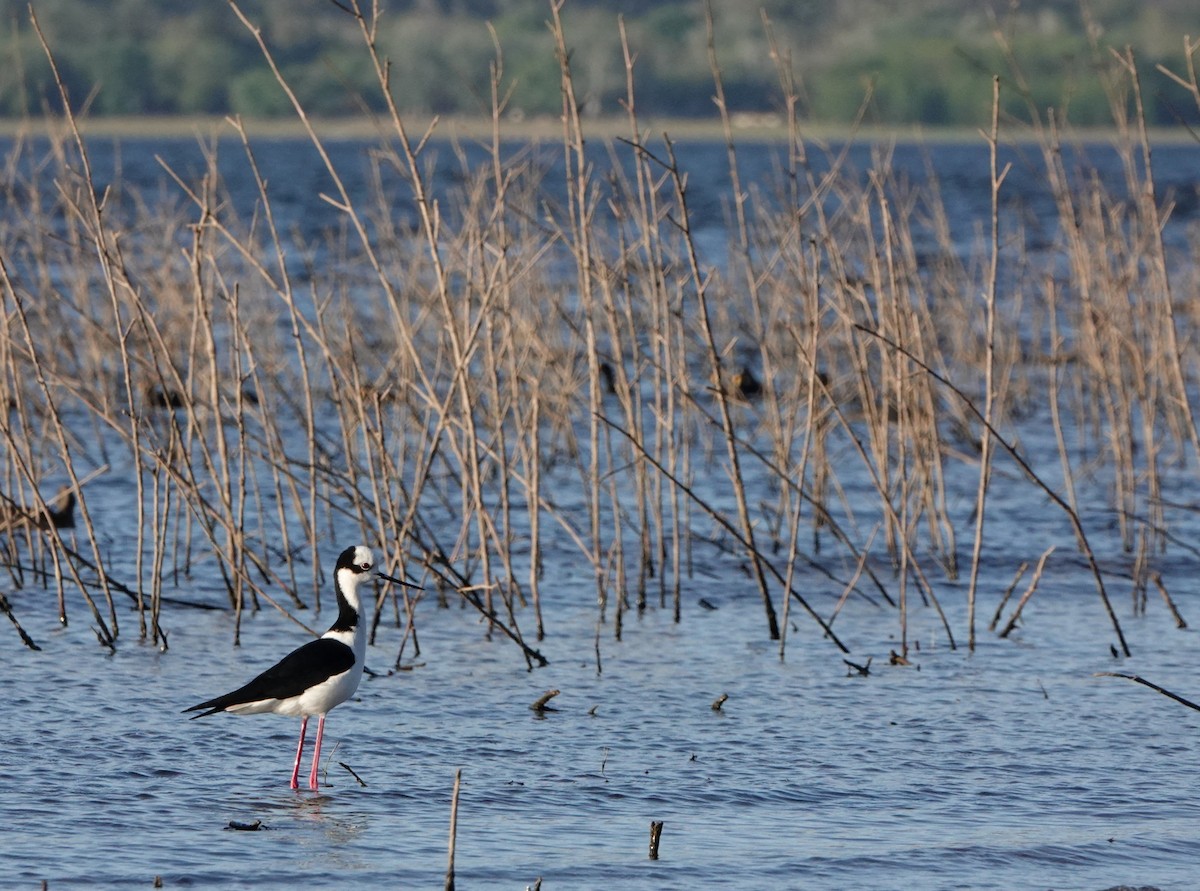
(1010, 767)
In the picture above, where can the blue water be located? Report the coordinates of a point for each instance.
(1009, 767)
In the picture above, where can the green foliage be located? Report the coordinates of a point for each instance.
(257, 94)
(927, 61)
(192, 72)
(124, 79)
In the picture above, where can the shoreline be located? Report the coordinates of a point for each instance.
(746, 129)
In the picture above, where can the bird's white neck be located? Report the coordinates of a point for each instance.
(351, 625)
(347, 583)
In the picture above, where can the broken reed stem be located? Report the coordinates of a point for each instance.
(1021, 570)
(6, 608)
(656, 828)
(449, 886)
(1033, 583)
(1162, 589)
(540, 705)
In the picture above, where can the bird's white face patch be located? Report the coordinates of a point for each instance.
(363, 559)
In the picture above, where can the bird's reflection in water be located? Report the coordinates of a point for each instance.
(331, 830)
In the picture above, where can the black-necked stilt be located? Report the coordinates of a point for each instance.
(319, 675)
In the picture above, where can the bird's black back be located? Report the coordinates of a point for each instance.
(305, 667)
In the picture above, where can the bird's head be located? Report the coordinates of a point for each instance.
(353, 566)
(358, 559)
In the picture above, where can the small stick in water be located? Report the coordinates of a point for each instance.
(540, 705)
(6, 608)
(1033, 583)
(717, 703)
(353, 774)
(655, 834)
(453, 830)
(1146, 683)
(1007, 594)
(860, 670)
(1162, 589)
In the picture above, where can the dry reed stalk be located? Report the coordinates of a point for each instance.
(1033, 583)
(90, 216)
(1021, 570)
(1128, 348)
(1013, 453)
(850, 585)
(449, 885)
(1162, 589)
(581, 204)
(699, 282)
(6, 608)
(814, 424)
(461, 403)
(1144, 192)
(281, 284)
(532, 461)
(985, 453)
(431, 227)
(733, 530)
(106, 630)
(1052, 391)
(643, 208)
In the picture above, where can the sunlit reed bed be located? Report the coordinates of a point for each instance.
(543, 374)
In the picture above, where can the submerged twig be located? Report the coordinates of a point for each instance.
(860, 670)
(352, 773)
(6, 608)
(1145, 683)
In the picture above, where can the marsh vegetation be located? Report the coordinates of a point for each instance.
(544, 371)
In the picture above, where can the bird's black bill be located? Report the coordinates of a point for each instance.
(399, 581)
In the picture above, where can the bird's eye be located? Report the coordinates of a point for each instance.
(364, 566)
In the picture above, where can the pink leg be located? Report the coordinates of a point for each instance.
(299, 752)
(312, 777)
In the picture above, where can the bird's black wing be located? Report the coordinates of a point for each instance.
(305, 667)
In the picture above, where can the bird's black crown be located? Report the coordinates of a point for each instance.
(357, 559)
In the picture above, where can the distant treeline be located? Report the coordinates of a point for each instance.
(923, 61)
